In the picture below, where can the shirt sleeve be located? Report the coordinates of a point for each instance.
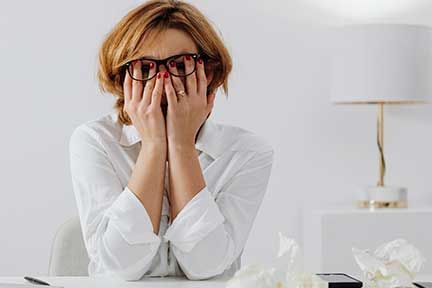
(117, 230)
(208, 234)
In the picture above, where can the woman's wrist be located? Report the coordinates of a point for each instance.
(154, 147)
(181, 149)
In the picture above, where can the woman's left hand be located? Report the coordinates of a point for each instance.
(186, 115)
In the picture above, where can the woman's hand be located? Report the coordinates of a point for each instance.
(185, 116)
(143, 105)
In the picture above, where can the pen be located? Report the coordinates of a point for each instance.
(36, 281)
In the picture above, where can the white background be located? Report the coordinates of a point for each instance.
(278, 89)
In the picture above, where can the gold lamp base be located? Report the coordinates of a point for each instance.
(372, 197)
(372, 204)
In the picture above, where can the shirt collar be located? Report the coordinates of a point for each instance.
(208, 140)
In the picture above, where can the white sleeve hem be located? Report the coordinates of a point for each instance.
(198, 218)
(131, 219)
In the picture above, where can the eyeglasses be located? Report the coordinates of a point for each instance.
(175, 65)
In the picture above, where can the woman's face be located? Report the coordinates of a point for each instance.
(171, 42)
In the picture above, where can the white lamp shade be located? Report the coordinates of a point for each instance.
(382, 63)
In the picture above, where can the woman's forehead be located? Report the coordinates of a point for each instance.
(167, 43)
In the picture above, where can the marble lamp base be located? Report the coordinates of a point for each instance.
(382, 197)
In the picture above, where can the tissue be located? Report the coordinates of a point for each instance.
(392, 264)
(288, 271)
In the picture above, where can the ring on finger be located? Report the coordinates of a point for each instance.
(180, 93)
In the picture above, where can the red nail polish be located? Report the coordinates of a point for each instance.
(158, 76)
(151, 65)
(200, 61)
(188, 57)
(166, 74)
(172, 63)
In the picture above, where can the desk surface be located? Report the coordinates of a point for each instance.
(87, 282)
(168, 282)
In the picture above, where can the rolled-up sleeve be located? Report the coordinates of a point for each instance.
(209, 234)
(117, 230)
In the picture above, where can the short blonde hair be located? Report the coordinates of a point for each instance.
(144, 23)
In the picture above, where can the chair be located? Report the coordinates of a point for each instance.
(68, 253)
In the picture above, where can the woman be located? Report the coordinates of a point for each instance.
(161, 189)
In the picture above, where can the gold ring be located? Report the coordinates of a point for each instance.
(181, 92)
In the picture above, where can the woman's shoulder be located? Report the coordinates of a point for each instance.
(242, 139)
(101, 129)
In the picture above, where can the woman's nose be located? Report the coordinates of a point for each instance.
(162, 69)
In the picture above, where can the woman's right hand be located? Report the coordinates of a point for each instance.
(143, 105)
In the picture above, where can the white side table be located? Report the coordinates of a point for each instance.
(330, 234)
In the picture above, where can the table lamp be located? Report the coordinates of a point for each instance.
(382, 64)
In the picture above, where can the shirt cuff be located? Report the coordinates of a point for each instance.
(131, 220)
(199, 217)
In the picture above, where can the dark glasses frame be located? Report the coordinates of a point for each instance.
(165, 62)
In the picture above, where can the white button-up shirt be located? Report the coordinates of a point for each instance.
(207, 236)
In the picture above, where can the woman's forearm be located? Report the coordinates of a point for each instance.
(185, 176)
(147, 181)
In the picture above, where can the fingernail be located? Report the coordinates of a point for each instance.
(166, 74)
(158, 76)
(151, 65)
(188, 57)
(200, 61)
(172, 63)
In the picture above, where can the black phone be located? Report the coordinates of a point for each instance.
(423, 284)
(340, 280)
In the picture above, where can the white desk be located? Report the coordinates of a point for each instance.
(86, 282)
(168, 282)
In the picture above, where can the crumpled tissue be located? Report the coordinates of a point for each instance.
(392, 264)
(288, 271)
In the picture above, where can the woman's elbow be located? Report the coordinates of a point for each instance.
(201, 275)
(201, 264)
(200, 268)
(126, 271)
(129, 275)
(121, 264)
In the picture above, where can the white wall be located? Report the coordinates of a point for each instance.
(278, 89)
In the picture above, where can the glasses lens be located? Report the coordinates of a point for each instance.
(142, 69)
(177, 66)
